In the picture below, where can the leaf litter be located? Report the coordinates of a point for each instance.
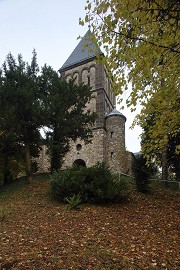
(39, 233)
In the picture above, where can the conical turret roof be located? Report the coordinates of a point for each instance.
(116, 113)
(86, 50)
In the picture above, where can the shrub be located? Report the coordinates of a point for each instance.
(102, 187)
(67, 183)
(95, 184)
(142, 173)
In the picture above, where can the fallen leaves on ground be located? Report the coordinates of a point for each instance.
(38, 233)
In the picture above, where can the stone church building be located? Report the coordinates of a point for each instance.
(108, 143)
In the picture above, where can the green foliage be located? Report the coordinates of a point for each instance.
(67, 183)
(64, 109)
(126, 183)
(73, 202)
(100, 184)
(20, 110)
(30, 99)
(95, 184)
(142, 173)
(11, 159)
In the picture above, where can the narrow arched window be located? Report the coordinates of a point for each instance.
(88, 80)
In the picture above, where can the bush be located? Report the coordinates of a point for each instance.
(142, 173)
(95, 184)
(67, 183)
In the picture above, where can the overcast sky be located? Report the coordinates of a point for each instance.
(51, 28)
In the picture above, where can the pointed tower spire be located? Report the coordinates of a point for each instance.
(85, 51)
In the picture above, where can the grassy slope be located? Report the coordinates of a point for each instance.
(38, 233)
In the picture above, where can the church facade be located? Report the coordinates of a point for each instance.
(108, 143)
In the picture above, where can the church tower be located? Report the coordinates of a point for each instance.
(81, 66)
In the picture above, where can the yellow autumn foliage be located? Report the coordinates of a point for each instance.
(140, 41)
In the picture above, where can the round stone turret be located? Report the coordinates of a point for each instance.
(116, 113)
(115, 140)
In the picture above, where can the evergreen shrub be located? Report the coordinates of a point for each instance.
(142, 173)
(95, 184)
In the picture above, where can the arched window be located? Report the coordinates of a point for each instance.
(88, 80)
(76, 77)
(92, 77)
(85, 74)
(68, 77)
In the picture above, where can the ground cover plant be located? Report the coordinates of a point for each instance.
(37, 232)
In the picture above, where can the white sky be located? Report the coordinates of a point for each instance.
(51, 27)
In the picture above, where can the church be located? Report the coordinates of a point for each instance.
(108, 142)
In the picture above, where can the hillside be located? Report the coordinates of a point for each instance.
(38, 233)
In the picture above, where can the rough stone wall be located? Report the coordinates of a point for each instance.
(130, 160)
(81, 73)
(90, 153)
(97, 77)
(115, 144)
(43, 160)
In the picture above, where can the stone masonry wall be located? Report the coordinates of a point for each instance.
(82, 72)
(115, 144)
(43, 160)
(90, 153)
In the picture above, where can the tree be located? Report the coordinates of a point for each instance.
(167, 156)
(20, 110)
(11, 158)
(142, 172)
(174, 156)
(64, 105)
(141, 44)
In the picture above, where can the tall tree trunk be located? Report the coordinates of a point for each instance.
(28, 162)
(164, 165)
(6, 172)
(55, 155)
(6, 157)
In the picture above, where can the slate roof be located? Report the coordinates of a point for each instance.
(81, 53)
(115, 113)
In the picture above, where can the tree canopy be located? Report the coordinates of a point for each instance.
(30, 99)
(168, 156)
(66, 115)
(20, 116)
(141, 46)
